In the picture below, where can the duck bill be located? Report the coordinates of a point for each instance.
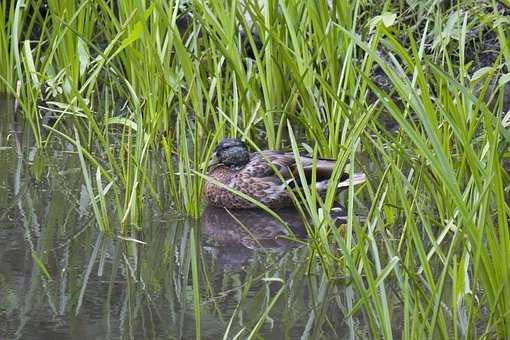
(214, 160)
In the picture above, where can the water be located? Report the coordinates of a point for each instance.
(61, 279)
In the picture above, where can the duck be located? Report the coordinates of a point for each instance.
(232, 165)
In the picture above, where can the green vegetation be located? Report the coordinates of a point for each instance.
(413, 93)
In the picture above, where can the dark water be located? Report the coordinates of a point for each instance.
(62, 279)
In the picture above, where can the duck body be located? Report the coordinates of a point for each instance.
(255, 179)
(265, 176)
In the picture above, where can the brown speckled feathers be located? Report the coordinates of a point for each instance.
(258, 179)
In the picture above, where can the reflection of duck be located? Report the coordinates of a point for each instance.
(251, 228)
(234, 244)
(254, 174)
(255, 227)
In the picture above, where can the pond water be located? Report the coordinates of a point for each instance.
(62, 279)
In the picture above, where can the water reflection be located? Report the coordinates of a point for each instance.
(61, 279)
(252, 229)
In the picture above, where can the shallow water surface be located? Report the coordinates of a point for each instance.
(62, 279)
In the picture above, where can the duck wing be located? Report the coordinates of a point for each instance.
(268, 173)
(263, 165)
(266, 164)
(324, 170)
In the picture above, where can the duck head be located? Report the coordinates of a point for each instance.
(231, 152)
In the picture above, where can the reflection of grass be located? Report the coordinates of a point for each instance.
(145, 290)
(9, 300)
(126, 87)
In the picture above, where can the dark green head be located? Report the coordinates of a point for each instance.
(232, 152)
